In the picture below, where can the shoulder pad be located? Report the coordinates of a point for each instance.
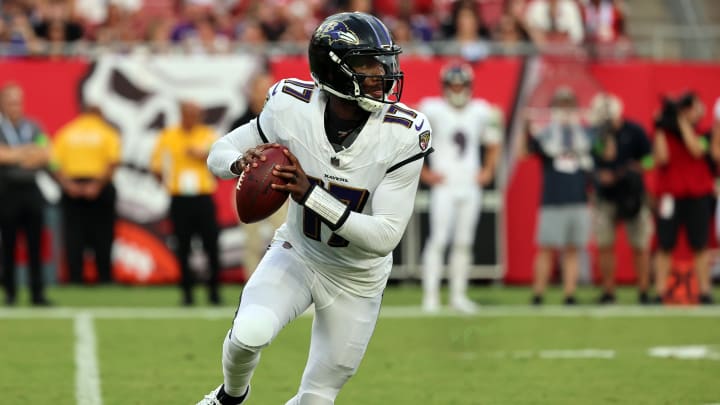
(411, 130)
(291, 91)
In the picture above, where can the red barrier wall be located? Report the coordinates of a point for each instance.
(51, 89)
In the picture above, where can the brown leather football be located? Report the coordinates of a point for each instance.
(254, 198)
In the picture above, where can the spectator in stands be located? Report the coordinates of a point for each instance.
(605, 29)
(119, 30)
(178, 161)
(417, 15)
(23, 151)
(301, 23)
(57, 24)
(363, 6)
(56, 41)
(467, 29)
(604, 21)
(403, 35)
(271, 20)
(186, 25)
(85, 153)
(206, 39)
(159, 35)
(401, 31)
(516, 8)
(510, 33)
(564, 148)
(18, 32)
(464, 22)
(251, 34)
(621, 151)
(554, 21)
(258, 234)
(198, 31)
(457, 174)
(685, 191)
(94, 13)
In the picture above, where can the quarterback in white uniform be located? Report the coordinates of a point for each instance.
(456, 174)
(356, 155)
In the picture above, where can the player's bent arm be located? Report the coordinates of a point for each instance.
(392, 207)
(226, 150)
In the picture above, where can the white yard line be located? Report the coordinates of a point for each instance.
(387, 312)
(87, 373)
(563, 354)
(577, 354)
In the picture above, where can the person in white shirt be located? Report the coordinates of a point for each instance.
(456, 173)
(551, 19)
(356, 155)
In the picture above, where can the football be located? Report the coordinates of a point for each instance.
(254, 198)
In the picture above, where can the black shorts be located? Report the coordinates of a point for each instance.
(695, 215)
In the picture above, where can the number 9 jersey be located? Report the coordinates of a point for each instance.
(376, 176)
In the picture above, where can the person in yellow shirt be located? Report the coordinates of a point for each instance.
(85, 153)
(178, 161)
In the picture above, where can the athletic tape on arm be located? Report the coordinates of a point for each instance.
(330, 209)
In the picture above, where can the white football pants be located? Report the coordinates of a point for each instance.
(281, 289)
(450, 210)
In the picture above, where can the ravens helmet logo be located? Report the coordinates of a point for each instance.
(337, 31)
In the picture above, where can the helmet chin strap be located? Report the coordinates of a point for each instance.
(363, 102)
(369, 105)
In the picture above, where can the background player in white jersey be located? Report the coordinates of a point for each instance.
(356, 158)
(456, 174)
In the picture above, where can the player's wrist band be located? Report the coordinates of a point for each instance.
(331, 210)
(235, 167)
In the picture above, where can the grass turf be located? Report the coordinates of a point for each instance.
(416, 360)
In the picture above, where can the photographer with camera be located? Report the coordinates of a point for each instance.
(685, 188)
(621, 151)
(564, 149)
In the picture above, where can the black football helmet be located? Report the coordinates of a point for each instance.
(457, 79)
(346, 40)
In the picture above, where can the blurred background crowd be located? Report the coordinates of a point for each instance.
(219, 26)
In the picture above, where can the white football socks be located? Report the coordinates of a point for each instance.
(459, 271)
(238, 366)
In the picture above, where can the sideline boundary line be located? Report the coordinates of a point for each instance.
(87, 372)
(386, 312)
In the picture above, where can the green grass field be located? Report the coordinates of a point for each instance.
(150, 351)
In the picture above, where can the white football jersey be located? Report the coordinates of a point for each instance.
(457, 136)
(392, 138)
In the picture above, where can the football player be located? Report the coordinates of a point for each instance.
(456, 175)
(356, 158)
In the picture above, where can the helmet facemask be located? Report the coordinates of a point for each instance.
(374, 78)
